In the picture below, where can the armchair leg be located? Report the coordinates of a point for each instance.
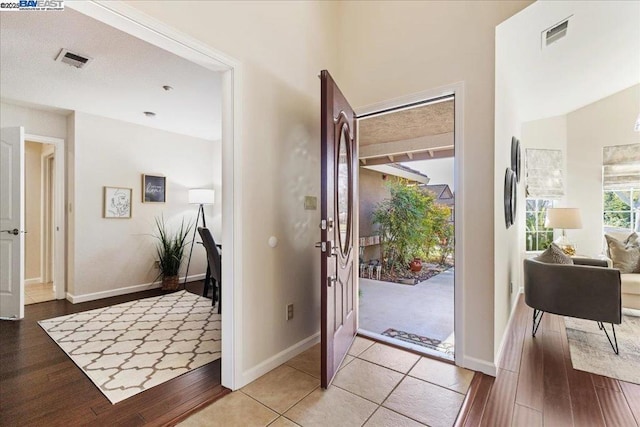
(614, 343)
(537, 318)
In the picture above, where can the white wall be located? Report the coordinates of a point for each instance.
(282, 47)
(581, 135)
(551, 134)
(390, 49)
(110, 254)
(33, 210)
(34, 120)
(606, 122)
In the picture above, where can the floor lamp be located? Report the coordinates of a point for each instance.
(201, 197)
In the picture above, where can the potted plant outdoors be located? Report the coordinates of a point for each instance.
(169, 252)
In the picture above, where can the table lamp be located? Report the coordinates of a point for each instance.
(564, 219)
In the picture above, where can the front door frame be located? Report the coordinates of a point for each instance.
(140, 25)
(457, 90)
(59, 277)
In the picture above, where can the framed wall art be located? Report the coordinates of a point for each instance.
(510, 195)
(117, 202)
(516, 163)
(154, 188)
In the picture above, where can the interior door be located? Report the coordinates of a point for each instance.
(338, 282)
(11, 223)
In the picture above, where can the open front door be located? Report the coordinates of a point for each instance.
(11, 223)
(338, 282)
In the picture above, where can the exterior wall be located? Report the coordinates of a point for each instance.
(372, 191)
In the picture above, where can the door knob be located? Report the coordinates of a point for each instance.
(331, 280)
(15, 231)
(322, 246)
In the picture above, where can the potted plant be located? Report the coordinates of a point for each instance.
(169, 252)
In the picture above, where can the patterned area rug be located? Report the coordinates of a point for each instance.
(128, 348)
(431, 343)
(591, 352)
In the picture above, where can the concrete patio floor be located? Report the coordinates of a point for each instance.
(424, 309)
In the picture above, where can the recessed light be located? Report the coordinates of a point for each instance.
(149, 114)
(167, 88)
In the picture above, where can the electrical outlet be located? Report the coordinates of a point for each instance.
(289, 311)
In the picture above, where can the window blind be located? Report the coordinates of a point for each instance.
(544, 174)
(621, 167)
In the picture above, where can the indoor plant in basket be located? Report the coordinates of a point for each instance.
(169, 252)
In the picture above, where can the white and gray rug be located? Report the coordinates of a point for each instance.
(591, 352)
(128, 348)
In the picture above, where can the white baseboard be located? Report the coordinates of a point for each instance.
(277, 360)
(34, 281)
(75, 299)
(509, 324)
(479, 365)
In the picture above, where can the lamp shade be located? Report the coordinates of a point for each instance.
(565, 218)
(201, 196)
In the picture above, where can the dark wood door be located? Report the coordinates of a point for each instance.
(338, 281)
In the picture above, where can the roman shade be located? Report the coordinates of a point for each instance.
(544, 174)
(621, 167)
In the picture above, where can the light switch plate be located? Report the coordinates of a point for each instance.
(310, 203)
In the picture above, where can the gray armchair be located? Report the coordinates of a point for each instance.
(586, 290)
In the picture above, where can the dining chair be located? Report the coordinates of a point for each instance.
(214, 261)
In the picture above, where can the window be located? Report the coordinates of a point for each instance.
(622, 208)
(538, 237)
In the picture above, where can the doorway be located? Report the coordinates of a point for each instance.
(134, 23)
(39, 171)
(407, 226)
(445, 146)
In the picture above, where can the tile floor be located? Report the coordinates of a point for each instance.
(40, 292)
(376, 385)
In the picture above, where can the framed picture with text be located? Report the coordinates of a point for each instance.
(154, 189)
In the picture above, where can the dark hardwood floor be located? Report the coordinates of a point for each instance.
(40, 385)
(536, 384)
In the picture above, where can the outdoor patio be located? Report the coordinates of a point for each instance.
(424, 310)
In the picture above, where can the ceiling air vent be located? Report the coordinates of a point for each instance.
(555, 33)
(74, 59)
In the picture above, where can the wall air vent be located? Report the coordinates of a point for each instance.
(74, 59)
(555, 33)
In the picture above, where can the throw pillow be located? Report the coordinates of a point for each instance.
(632, 241)
(625, 258)
(554, 255)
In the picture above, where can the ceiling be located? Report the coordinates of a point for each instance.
(599, 56)
(431, 119)
(415, 133)
(124, 79)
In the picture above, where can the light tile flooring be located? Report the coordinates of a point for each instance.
(376, 385)
(40, 292)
